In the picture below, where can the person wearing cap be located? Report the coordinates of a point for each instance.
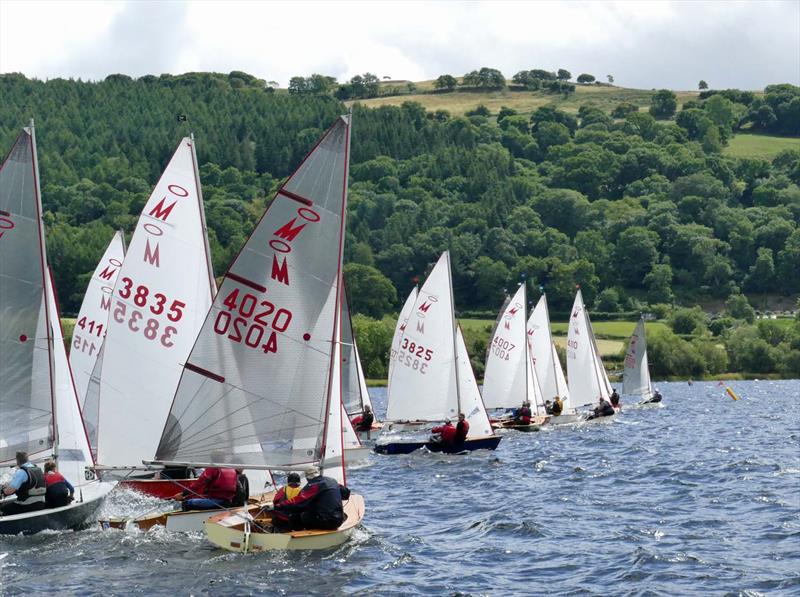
(288, 491)
(523, 414)
(558, 406)
(318, 505)
(445, 434)
(462, 428)
(30, 486)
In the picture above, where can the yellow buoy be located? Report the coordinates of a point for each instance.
(731, 394)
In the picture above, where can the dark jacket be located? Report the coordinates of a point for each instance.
(606, 410)
(33, 489)
(462, 430)
(365, 424)
(523, 416)
(321, 496)
(557, 407)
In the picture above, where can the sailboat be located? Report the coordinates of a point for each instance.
(432, 378)
(163, 292)
(400, 327)
(547, 364)
(39, 411)
(92, 321)
(262, 386)
(636, 372)
(510, 379)
(588, 381)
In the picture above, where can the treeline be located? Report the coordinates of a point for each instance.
(638, 210)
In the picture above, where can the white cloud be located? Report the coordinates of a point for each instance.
(643, 44)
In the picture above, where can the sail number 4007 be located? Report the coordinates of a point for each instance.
(247, 319)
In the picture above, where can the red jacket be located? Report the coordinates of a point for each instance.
(53, 477)
(447, 431)
(216, 483)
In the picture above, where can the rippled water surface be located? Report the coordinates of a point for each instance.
(699, 497)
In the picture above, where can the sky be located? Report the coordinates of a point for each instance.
(642, 44)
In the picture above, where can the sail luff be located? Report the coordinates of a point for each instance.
(212, 283)
(454, 330)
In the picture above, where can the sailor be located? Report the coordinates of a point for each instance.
(603, 409)
(288, 491)
(214, 488)
(445, 434)
(29, 485)
(365, 420)
(523, 414)
(242, 489)
(558, 407)
(317, 506)
(60, 492)
(656, 397)
(548, 407)
(462, 429)
(614, 398)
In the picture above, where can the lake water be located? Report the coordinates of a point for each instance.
(700, 497)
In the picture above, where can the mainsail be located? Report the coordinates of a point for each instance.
(90, 327)
(163, 292)
(636, 374)
(26, 361)
(510, 378)
(354, 386)
(399, 328)
(544, 355)
(262, 385)
(471, 402)
(588, 381)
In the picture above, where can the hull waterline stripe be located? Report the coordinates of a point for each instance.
(296, 197)
(205, 372)
(246, 282)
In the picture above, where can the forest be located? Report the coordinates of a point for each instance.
(640, 207)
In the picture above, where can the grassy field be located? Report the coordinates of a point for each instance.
(759, 146)
(614, 330)
(525, 102)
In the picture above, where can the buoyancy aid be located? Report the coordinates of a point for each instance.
(222, 485)
(462, 430)
(33, 488)
(557, 407)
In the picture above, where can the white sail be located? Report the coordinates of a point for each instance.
(163, 292)
(262, 384)
(362, 380)
(399, 328)
(636, 373)
(544, 355)
(72, 442)
(92, 321)
(354, 386)
(423, 384)
(508, 382)
(26, 387)
(588, 381)
(471, 402)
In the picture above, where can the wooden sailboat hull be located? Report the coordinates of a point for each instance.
(483, 443)
(236, 532)
(535, 424)
(73, 516)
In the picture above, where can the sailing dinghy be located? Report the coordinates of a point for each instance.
(636, 372)
(547, 364)
(39, 411)
(163, 292)
(588, 381)
(262, 386)
(510, 379)
(432, 378)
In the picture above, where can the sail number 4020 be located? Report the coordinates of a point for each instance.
(247, 319)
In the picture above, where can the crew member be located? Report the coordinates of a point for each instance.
(364, 422)
(215, 488)
(603, 409)
(445, 434)
(614, 398)
(548, 407)
(462, 429)
(558, 407)
(317, 506)
(288, 491)
(29, 485)
(60, 492)
(657, 397)
(523, 414)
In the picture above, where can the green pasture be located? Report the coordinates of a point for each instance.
(602, 329)
(759, 146)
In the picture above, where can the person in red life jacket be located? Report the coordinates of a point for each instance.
(445, 434)
(462, 428)
(215, 488)
(288, 491)
(317, 506)
(523, 414)
(60, 492)
(363, 422)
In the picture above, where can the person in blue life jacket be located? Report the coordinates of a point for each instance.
(29, 484)
(317, 506)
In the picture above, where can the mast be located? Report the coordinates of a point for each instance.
(201, 207)
(527, 360)
(46, 287)
(122, 237)
(453, 329)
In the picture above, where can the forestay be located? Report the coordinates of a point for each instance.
(264, 375)
(544, 355)
(636, 374)
(162, 295)
(90, 326)
(471, 402)
(26, 390)
(423, 384)
(588, 381)
(399, 328)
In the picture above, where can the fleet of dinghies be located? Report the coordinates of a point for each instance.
(167, 374)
